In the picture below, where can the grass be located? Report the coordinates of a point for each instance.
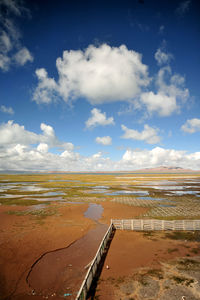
(188, 264)
(171, 250)
(42, 213)
(182, 280)
(195, 250)
(22, 202)
(157, 273)
(191, 236)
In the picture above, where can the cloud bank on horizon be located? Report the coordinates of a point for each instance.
(132, 100)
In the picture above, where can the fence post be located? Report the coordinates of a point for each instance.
(183, 224)
(163, 224)
(122, 224)
(142, 225)
(132, 225)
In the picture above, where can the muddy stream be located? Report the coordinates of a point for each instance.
(59, 273)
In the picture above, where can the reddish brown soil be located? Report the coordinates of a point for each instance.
(113, 210)
(24, 239)
(130, 251)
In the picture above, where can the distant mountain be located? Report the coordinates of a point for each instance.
(165, 169)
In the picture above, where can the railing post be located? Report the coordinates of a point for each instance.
(132, 225)
(142, 225)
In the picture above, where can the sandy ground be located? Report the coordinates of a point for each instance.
(24, 239)
(130, 252)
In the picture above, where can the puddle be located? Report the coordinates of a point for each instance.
(53, 194)
(166, 205)
(100, 187)
(62, 271)
(151, 198)
(44, 199)
(33, 188)
(11, 196)
(168, 187)
(4, 186)
(94, 211)
(180, 193)
(137, 193)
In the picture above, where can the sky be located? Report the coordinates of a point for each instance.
(99, 85)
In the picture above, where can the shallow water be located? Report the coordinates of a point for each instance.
(94, 211)
(105, 192)
(151, 198)
(11, 196)
(180, 193)
(52, 194)
(33, 188)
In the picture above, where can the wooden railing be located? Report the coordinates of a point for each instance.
(150, 225)
(82, 294)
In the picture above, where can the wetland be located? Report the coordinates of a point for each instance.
(45, 213)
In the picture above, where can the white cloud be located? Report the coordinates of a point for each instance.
(11, 49)
(191, 126)
(12, 134)
(25, 150)
(23, 56)
(42, 147)
(99, 74)
(183, 7)
(7, 110)
(160, 157)
(170, 96)
(172, 84)
(162, 57)
(98, 119)
(46, 89)
(149, 134)
(160, 103)
(109, 74)
(104, 140)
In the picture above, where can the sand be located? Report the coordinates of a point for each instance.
(24, 239)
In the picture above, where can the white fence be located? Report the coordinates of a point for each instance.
(82, 294)
(150, 225)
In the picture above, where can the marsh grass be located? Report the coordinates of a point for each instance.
(182, 280)
(188, 264)
(171, 250)
(191, 236)
(22, 202)
(40, 214)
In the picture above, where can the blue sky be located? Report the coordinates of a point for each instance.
(97, 86)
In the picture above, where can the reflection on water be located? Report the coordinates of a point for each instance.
(10, 196)
(33, 188)
(136, 193)
(52, 194)
(94, 211)
(151, 198)
(180, 193)
(120, 192)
